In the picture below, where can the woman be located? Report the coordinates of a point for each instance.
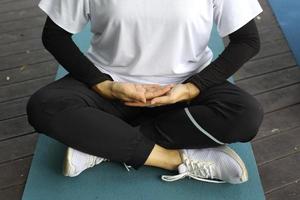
(149, 64)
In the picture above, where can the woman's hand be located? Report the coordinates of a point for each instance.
(137, 92)
(179, 92)
(130, 92)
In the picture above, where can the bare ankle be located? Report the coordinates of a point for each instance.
(164, 158)
(175, 159)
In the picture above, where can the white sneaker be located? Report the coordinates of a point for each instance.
(76, 162)
(216, 165)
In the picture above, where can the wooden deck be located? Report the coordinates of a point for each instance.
(272, 77)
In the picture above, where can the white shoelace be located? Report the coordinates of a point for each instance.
(96, 160)
(127, 166)
(203, 171)
(199, 170)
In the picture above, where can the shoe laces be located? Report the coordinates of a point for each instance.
(199, 170)
(94, 160)
(127, 166)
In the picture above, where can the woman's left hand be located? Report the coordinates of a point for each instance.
(179, 92)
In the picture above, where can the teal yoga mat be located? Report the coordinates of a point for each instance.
(288, 16)
(111, 181)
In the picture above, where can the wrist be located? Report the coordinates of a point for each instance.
(104, 88)
(193, 90)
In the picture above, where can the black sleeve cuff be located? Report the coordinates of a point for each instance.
(97, 78)
(193, 79)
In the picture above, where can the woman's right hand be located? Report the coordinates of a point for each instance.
(126, 91)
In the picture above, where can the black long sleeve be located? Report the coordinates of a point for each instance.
(60, 44)
(244, 44)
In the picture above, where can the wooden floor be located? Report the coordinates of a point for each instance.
(272, 77)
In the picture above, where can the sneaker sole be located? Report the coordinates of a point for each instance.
(226, 149)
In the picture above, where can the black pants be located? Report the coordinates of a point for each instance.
(70, 112)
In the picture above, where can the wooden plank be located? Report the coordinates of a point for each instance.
(13, 108)
(21, 46)
(290, 192)
(270, 34)
(23, 89)
(17, 5)
(17, 147)
(15, 36)
(15, 127)
(272, 48)
(280, 98)
(27, 72)
(277, 146)
(270, 81)
(15, 172)
(20, 14)
(6, 1)
(265, 65)
(22, 24)
(280, 172)
(12, 193)
(280, 121)
(25, 58)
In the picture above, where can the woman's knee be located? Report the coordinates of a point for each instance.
(33, 106)
(45, 103)
(250, 119)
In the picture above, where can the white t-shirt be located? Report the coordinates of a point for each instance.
(151, 41)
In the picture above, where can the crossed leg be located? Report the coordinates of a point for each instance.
(221, 115)
(73, 114)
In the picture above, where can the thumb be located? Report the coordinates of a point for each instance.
(161, 100)
(140, 96)
(138, 93)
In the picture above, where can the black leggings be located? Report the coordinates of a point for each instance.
(70, 112)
